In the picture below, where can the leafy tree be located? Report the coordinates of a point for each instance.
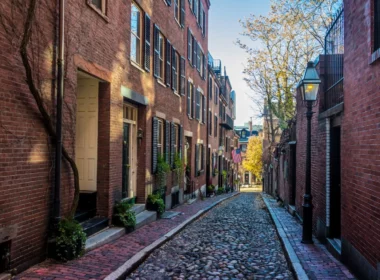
(253, 159)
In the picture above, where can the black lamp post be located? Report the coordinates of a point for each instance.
(309, 86)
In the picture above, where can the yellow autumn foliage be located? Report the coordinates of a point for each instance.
(253, 158)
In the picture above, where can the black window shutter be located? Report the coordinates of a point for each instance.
(194, 103)
(204, 24)
(182, 85)
(154, 144)
(188, 99)
(169, 2)
(204, 156)
(210, 88)
(156, 52)
(189, 43)
(167, 142)
(210, 123)
(204, 67)
(174, 70)
(194, 3)
(147, 43)
(194, 42)
(204, 109)
(198, 105)
(215, 126)
(196, 159)
(183, 13)
(168, 63)
(180, 135)
(172, 143)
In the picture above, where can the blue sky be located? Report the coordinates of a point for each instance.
(224, 29)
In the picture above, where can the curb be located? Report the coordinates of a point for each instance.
(291, 255)
(131, 264)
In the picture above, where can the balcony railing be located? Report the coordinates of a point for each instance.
(228, 123)
(334, 51)
(215, 64)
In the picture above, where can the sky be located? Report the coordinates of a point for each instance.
(224, 30)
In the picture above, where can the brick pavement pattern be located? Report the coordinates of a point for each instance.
(99, 263)
(235, 240)
(315, 259)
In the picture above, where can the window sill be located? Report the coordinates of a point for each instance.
(176, 93)
(134, 64)
(374, 56)
(160, 82)
(99, 12)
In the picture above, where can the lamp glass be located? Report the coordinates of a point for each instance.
(310, 91)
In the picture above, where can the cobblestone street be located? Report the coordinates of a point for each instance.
(236, 240)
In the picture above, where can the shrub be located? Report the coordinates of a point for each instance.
(154, 202)
(123, 216)
(220, 190)
(210, 189)
(70, 240)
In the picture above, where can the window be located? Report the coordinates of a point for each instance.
(175, 67)
(243, 134)
(210, 87)
(189, 45)
(243, 147)
(160, 143)
(190, 99)
(161, 46)
(177, 11)
(183, 77)
(198, 105)
(176, 138)
(198, 61)
(199, 158)
(100, 5)
(377, 25)
(136, 31)
(159, 54)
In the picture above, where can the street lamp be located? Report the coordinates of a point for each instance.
(308, 86)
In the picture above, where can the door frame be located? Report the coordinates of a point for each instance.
(132, 191)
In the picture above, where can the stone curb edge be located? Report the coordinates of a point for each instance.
(291, 255)
(141, 256)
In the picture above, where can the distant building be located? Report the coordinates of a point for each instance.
(243, 133)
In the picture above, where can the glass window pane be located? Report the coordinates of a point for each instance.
(97, 3)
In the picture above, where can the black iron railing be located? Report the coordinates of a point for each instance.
(334, 52)
(228, 123)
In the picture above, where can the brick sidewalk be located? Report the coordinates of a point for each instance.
(315, 259)
(99, 263)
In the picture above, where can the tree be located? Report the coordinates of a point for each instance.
(289, 36)
(253, 159)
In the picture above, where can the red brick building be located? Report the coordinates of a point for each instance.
(136, 88)
(345, 136)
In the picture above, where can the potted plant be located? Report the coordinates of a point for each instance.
(178, 166)
(70, 240)
(210, 190)
(154, 202)
(220, 190)
(124, 217)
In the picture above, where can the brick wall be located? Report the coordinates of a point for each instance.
(97, 45)
(361, 134)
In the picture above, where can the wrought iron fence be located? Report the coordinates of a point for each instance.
(334, 51)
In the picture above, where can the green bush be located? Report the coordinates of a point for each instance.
(220, 190)
(210, 189)
(70, 240)
(228, 189)
(154, 202)
(123, 216)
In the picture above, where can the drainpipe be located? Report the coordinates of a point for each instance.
(60, 90)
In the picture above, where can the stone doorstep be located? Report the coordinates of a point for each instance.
(145, 218)
(191, 201)
(292, 210)
(335, 248)
(112, 233)
(138, 208)
(103, 237)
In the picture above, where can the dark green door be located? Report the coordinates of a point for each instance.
(126, 159)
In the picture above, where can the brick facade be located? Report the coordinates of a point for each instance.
(352, 126)
(98, 46)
